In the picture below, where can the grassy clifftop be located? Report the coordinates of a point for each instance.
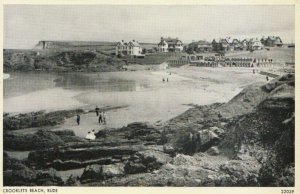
(60, 60)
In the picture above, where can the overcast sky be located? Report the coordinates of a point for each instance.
(25, 25)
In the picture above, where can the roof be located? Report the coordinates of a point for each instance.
(170, 41)
(223, 41)
(134, 43)
(274, 38)
(235, 41)
(122, 43)
(257, 43)
(245, 40)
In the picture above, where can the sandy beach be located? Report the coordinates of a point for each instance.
(186, 85)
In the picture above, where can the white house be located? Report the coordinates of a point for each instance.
(134, 48)
(121, 48)
(131, 48)
(255, 44)
(170, 45)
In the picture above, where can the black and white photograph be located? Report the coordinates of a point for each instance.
(157, 95)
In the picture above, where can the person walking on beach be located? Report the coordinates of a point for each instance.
(104, 117)
(163, 79)
(167, 79)
(97, 110)
(100, 118)
(253, 71)
(78, 120)
(267, 78)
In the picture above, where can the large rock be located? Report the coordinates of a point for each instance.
(244, 173)
(113, 170)
(37, 119)
(40, 140)
(134, 168)
(213, 151)
(17, 173)
(48, 178)
(67, 158)
(146, 161)
(102, 172)
(92, 173)
(142, 131)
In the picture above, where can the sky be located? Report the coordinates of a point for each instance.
(25, 25)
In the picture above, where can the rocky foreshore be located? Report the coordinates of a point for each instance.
(248, 141)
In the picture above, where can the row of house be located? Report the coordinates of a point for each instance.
(236, 45)
(222, 45)
(228, 44)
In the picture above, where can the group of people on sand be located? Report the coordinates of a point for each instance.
(91, 135)
(101, 115)
(267, 77)
(167, 80)
(101, 119)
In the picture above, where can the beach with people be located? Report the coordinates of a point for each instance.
(140, 93)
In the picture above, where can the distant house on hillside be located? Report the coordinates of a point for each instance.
(121, 48)
(273, 41)
(255, 44)
(221, 46)
(200, 46)
(132, 48)
(235, 45)
(44, 44)
(244, 44)
(170, 45)
(263, 40)
(204, 46)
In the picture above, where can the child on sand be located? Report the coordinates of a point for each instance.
(91, 135)
(78, 120)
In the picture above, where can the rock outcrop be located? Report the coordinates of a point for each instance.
(37, 119)
(40, 140)
(78, 59)
(16, 173)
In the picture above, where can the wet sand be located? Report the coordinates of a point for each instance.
(157, 102)
(187, 85)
